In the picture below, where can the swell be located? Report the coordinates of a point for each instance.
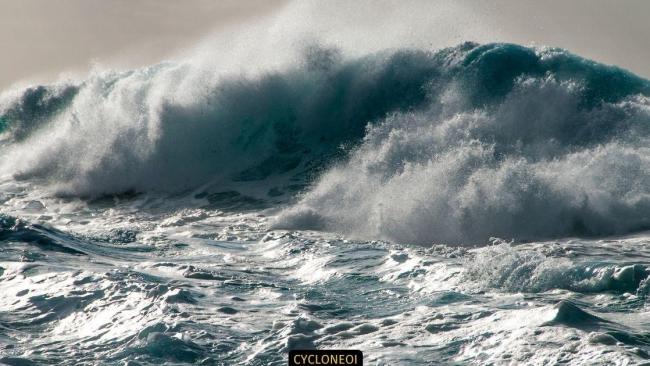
(15, 230)
(515, 269)
(451, 146)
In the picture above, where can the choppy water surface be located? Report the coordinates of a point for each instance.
(127, 281)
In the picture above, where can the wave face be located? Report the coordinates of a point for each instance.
(452, 146)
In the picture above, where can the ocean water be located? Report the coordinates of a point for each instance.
(477, 204)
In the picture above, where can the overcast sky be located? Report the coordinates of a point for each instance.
(42, 38)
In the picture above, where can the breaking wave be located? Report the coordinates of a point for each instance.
(170, 127)
(449, 146)
(513, 142)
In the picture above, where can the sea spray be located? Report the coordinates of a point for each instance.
(448, 146)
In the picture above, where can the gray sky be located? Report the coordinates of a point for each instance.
(42, 38)
(611, 31)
